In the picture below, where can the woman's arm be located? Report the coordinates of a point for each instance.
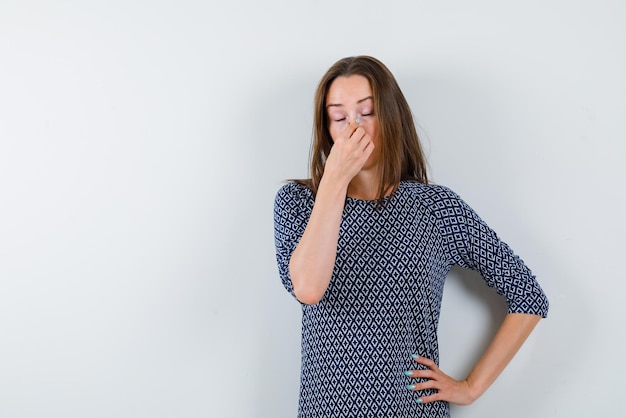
(312, 262)
(478, 247)
(507, 341)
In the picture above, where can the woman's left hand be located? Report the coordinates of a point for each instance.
(448, 389)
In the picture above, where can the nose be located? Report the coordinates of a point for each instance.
(355, 116)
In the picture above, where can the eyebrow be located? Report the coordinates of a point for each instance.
(359, 102)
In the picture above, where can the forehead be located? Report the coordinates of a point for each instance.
(348, 90)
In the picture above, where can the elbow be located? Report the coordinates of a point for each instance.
(308, 287)
(307, 296)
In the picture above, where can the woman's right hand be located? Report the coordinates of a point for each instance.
(312, 262)
(349, 153)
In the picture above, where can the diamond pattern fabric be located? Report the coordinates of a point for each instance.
(384, 298)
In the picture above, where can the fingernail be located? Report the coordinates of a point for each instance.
(358, 120)
(418, 400)
(415, 356)
(410, 387)
(408, 373)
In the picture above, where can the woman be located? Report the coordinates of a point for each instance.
(365, 246)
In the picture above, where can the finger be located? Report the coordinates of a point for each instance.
(430, 398)
(349, 129)
(368, 147)
(429, 384)
(425, 374)
(364, 142)
(358, 134)
(426, 362)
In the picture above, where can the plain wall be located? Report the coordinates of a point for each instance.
(142, 143)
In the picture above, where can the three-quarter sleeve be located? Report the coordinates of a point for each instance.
(471, 243)
(292, 209)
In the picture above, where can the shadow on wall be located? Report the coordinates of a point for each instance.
(471, 314)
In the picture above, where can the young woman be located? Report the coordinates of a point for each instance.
(365, 246)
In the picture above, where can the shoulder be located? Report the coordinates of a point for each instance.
(430, 194)
(294, 189)
(438, 201)
(293, 193)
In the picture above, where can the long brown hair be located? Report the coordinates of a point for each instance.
(401, 154)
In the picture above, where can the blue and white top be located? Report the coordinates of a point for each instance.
(384, 297)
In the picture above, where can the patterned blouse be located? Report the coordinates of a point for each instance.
(384, 297)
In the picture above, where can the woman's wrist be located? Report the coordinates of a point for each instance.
(474, 389)
(333, 186)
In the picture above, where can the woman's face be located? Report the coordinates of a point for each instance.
(348, 99)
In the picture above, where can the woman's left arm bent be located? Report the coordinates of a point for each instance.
(514, 330)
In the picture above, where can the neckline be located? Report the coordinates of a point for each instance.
(385, 199)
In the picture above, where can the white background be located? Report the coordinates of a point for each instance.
(142, 143)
